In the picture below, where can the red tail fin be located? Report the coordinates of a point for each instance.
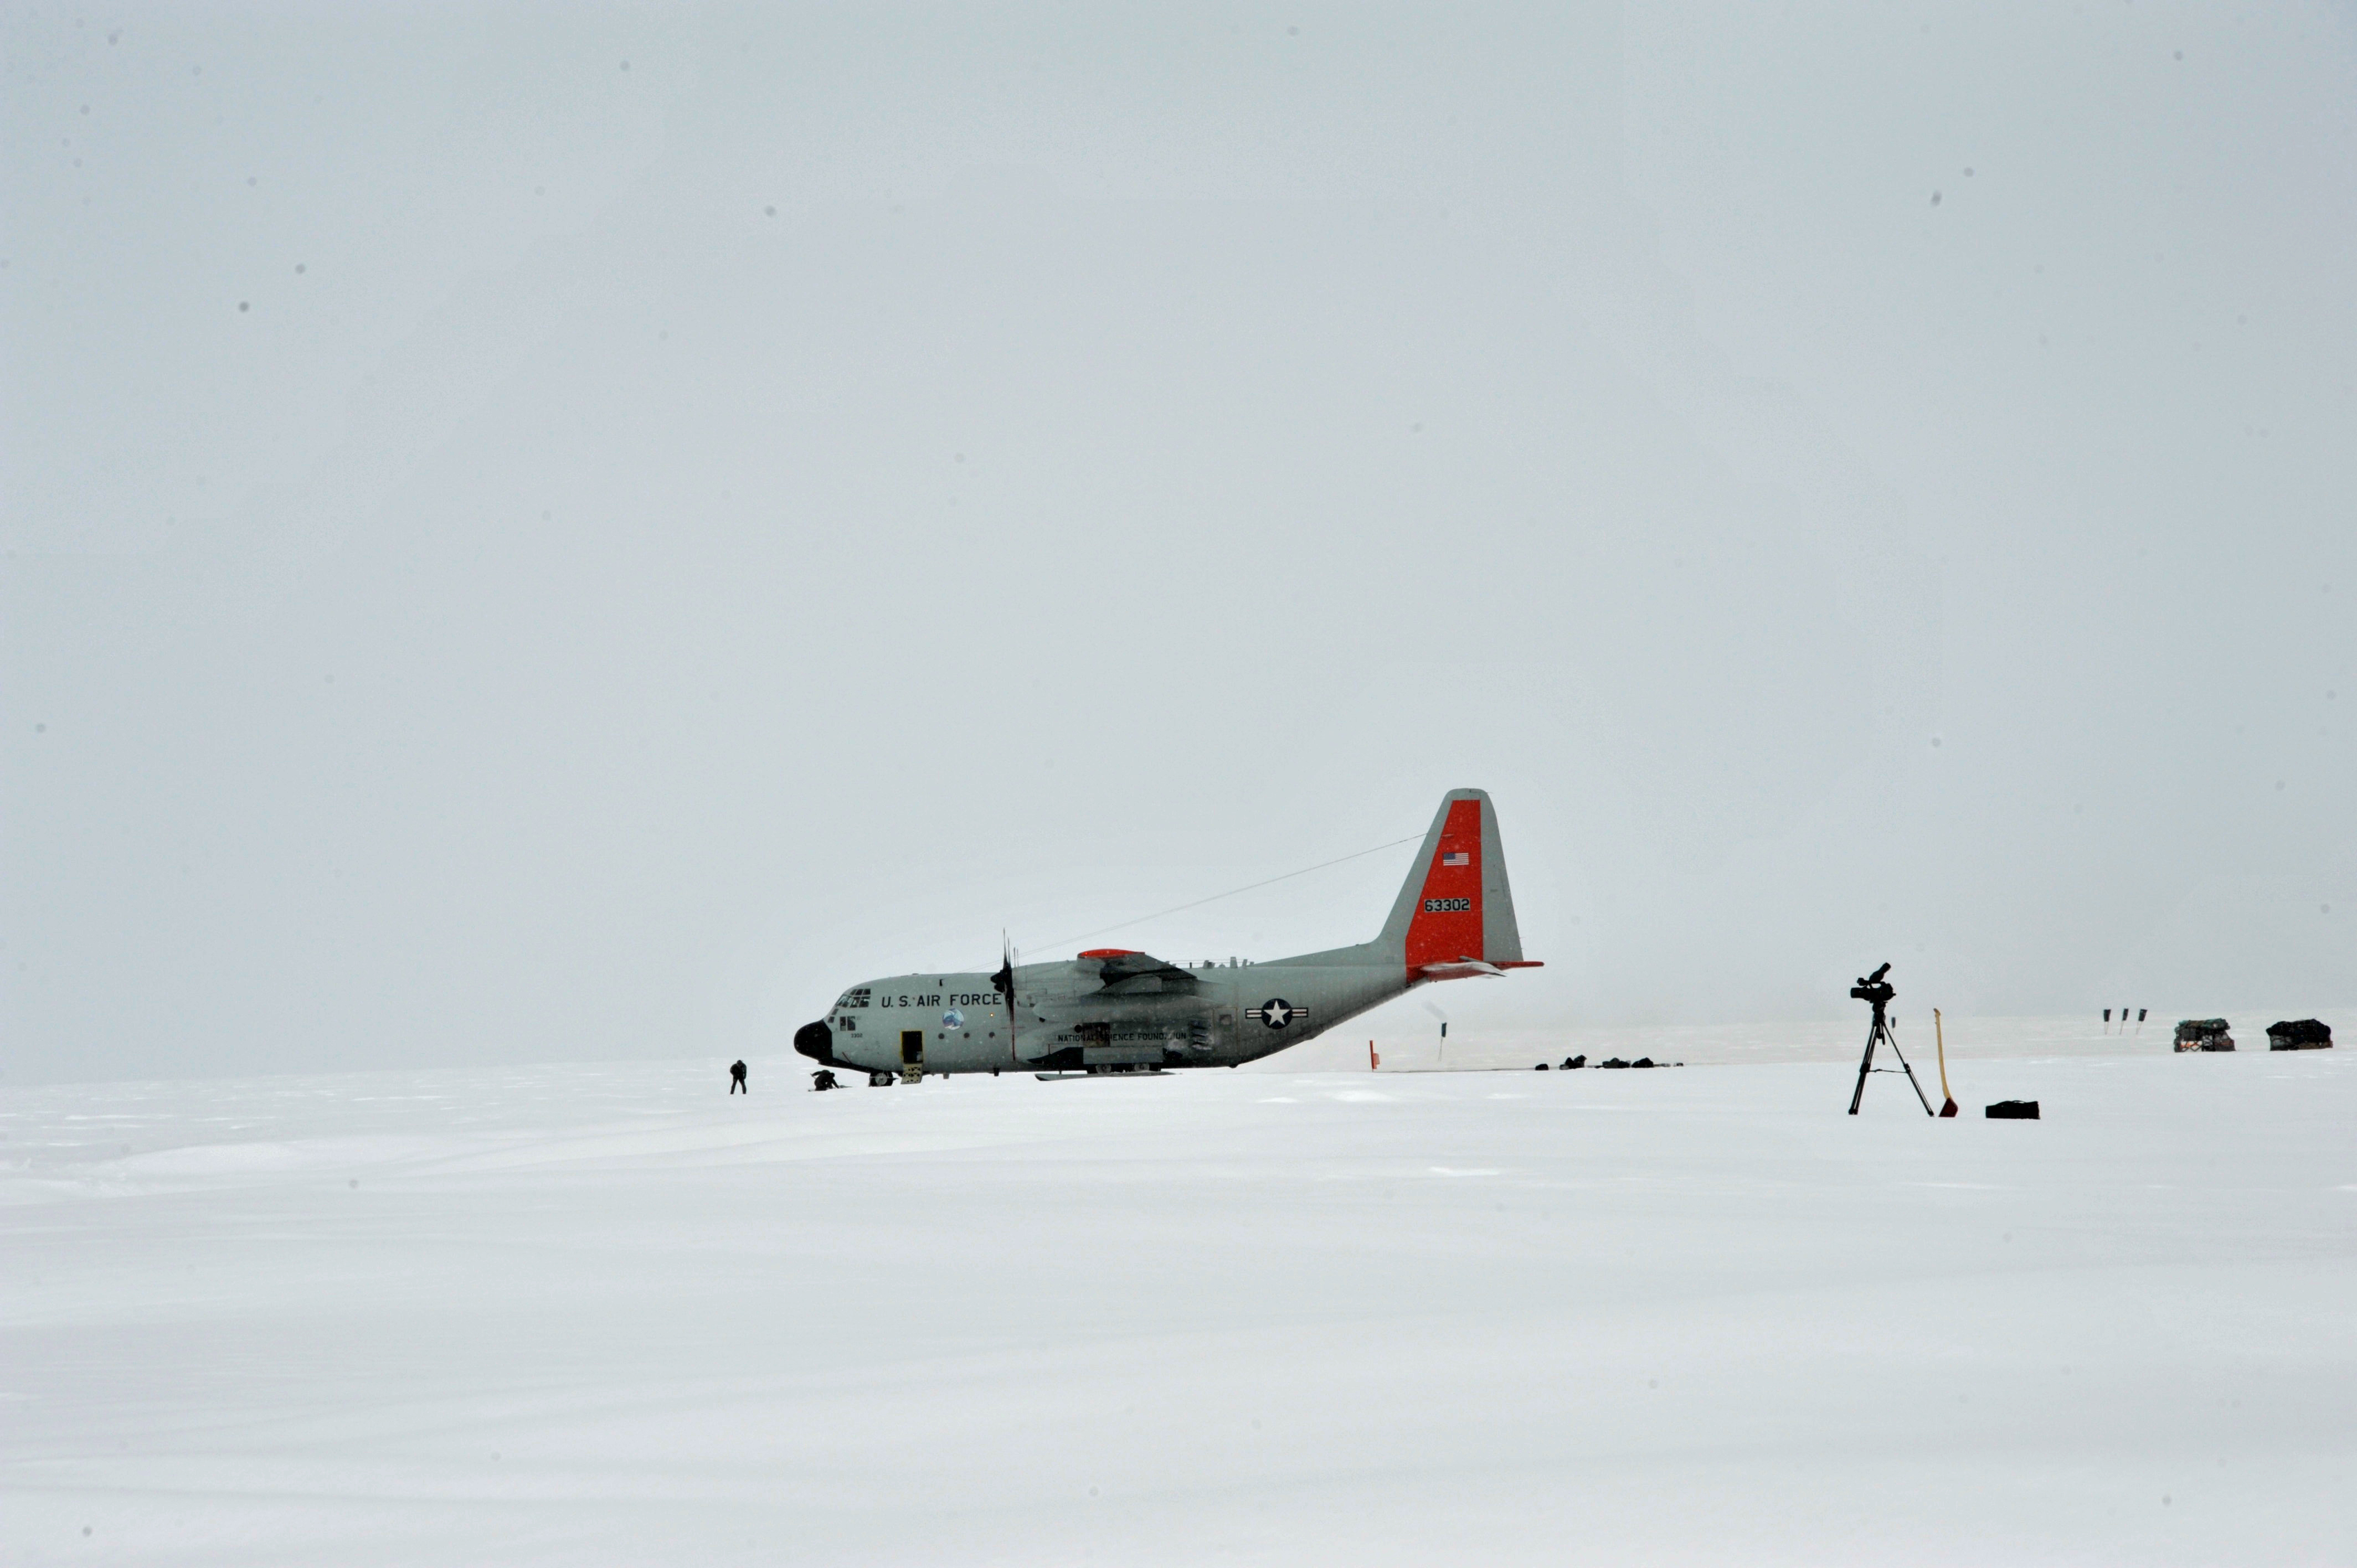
(1447, 922)
(1455, 908)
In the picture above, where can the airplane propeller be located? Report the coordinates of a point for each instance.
(1004, 984)
(1004, 980)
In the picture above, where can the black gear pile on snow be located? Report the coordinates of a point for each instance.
(2299, 1035)
(2013, 1111)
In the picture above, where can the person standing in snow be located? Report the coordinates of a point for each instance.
(736, 1084)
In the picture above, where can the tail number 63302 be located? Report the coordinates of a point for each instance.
(1446, 906)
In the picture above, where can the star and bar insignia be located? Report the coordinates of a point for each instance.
(1276, 1012)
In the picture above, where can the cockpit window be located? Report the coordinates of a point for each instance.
(854, 997)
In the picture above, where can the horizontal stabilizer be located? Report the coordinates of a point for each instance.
(1467, 968)
(1463, 969)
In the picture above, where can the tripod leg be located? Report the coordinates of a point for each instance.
(1865, 1065)
(1910, 1076)
(1919, 1089)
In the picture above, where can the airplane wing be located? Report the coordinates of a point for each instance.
(1127, 973)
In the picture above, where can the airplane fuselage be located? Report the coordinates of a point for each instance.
(1066, 1016)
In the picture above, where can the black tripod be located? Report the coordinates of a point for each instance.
(1873, 988)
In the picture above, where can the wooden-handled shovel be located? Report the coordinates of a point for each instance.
(1947, 1100)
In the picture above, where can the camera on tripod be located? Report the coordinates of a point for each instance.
(1874, 989)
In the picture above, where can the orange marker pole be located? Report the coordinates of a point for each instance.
(1373, 1061)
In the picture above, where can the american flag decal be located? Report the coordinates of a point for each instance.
(1455, 857)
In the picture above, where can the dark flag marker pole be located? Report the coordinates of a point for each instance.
(2107, 1020)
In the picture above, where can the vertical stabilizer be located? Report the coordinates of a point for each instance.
(1455, 907)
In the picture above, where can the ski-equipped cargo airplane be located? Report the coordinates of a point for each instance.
(1114, 1010)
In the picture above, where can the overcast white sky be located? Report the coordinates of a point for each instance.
(561, 531)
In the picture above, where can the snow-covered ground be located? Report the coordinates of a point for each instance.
(608, 1315)
(1825, 1040)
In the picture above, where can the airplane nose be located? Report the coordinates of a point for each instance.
(816, 1041)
